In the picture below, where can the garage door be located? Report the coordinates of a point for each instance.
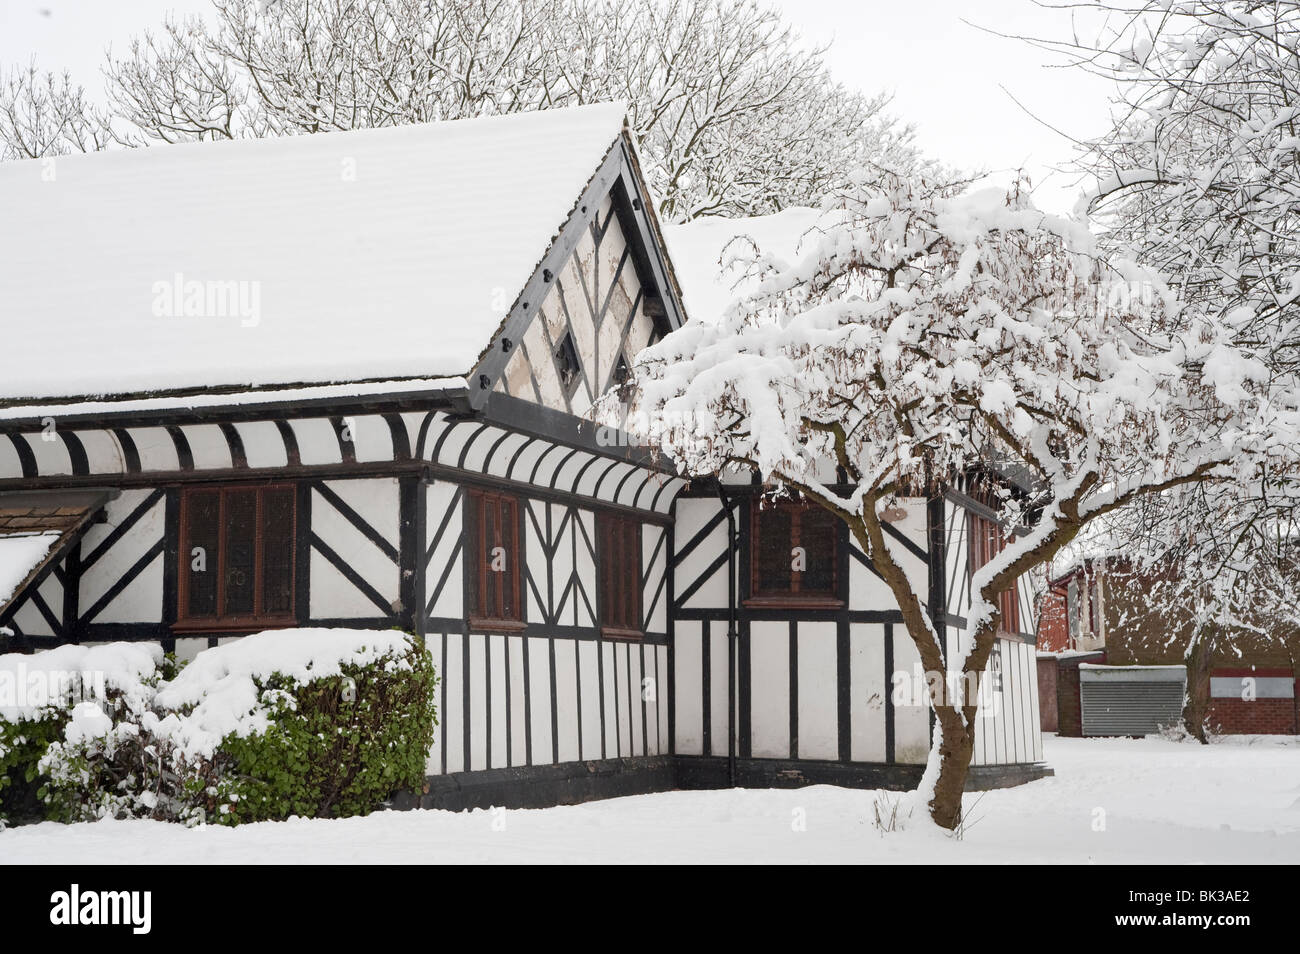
(1130, 700)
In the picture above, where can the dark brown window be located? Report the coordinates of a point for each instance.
(493, 560)
(237, 557)
(792, 554)
(987, 541)
(566, 358)
(619, 565)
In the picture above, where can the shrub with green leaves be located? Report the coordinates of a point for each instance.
(335, 746)
(315, 722)
(43, 694)
(318, 723)
(22, 744)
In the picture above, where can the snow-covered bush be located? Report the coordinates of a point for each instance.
(115, 764)
(43, 694)
(320, 722)
(302, 722)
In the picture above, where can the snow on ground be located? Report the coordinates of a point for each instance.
(1236, 802)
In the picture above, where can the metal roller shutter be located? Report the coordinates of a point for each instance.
(1130, 700)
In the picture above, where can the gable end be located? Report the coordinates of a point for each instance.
(520, 360)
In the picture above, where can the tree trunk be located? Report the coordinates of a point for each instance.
(956, 749)
(954, 744)
(1196, 704)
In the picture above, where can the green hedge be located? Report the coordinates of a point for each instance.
(335, 747)
(22, 745)
(327, 746)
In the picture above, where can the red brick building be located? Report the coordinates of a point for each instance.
(1247, 683)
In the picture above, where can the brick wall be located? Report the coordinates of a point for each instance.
(1047, 705)
(1053, 624)
(1264, 715)
(1145, 631)
(1260, 717)
(1069, 708)
(1142, 630)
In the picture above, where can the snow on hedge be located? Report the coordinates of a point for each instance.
(72, 674)
(218, 692)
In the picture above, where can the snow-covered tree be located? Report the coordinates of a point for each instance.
(1200, 177)
(175, 87)
(922, 335)
(735, 116)
(734, 113)
(43, 115)
(1213, 571)
(1200, 174)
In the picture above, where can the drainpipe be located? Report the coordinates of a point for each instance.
(732, 635)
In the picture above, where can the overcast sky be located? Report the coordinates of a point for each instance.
(954, 81)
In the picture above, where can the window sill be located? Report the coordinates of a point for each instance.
(480, 625)
(622, 635)
(793, 602)
(243, 625)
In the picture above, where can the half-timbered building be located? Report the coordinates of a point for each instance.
(342, 380)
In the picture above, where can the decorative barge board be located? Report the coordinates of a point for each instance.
(395, 437)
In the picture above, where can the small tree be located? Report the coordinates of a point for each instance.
(923, 335)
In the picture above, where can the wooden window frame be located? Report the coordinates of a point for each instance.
(1094, 604)
(475, 587)
(608, 524)
(226, 623)
(987, 540)
(1073, 608)
(792, 599)
(567, 349)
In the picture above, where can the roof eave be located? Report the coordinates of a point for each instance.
(254, 404)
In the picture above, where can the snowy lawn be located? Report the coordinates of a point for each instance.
(1237, 801)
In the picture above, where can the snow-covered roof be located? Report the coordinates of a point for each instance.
(163, 403)
(381, 253)
(697, 247)
(35, 528)
(20, 554)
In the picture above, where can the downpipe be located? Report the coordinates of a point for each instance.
(732, 635)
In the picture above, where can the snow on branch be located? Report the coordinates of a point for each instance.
(922, 334)
(1199, 177)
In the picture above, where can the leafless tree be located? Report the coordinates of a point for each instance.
(735, 114)
(42, 115)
